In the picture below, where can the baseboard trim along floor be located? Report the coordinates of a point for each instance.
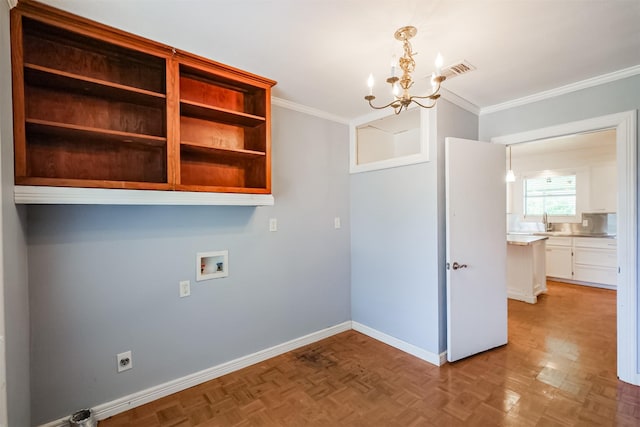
(134, 400)
(433, 358)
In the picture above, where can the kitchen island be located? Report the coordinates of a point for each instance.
(526, 270)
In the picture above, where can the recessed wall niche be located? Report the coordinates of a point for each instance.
(388, 141)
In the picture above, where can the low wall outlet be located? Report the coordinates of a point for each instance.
(125, 361)
(212, 265)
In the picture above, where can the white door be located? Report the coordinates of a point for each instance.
(476, 247)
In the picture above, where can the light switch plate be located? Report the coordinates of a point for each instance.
(336, 222)
(273, 224)
(185, 288)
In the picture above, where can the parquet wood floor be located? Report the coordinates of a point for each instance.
(557, 370)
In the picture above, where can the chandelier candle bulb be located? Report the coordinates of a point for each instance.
(439, 62)
(393, 66)
(370, 84)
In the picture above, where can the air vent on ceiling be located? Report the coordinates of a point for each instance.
(457, 69)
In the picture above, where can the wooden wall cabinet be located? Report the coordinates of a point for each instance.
(95, 107)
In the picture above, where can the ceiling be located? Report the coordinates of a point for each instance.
(322, 51)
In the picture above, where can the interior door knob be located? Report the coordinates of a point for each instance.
(457, 266)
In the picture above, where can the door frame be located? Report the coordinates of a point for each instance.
(625, 124)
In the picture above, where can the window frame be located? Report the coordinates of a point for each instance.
(564, 217)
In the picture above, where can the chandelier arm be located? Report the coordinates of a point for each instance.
(398, 110)
(424, 106)
(391, 104)
(432, 96)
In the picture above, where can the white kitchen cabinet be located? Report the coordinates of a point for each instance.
(597, 275)
(526, 277)
(583, 260)
(595, 260)
(559, 261)
(602, 194)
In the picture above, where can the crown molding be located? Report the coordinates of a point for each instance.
(446, 94)
(562, 90)
(12, 3)
(308, 110)
(460, 101)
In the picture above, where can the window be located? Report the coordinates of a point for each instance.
(553, 195)
(386, 141)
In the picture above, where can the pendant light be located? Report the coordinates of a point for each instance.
(511, 177)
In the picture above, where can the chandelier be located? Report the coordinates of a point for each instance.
(400, 85)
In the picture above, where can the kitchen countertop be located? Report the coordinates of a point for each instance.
(524, 239)
(561, 234)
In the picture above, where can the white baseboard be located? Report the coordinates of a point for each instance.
(521, 297)
(125, 403)
(433, 358)
(581, 283)
(134, 400)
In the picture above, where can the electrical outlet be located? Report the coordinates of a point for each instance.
(585, 222)
(125, 361)
(185, 288)
(336, 222)
(273, 224)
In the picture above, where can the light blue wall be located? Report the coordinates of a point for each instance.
(104, 279)
(14, 252)
(615, 97)
(619, 96)
(394, 253)
(397, 242)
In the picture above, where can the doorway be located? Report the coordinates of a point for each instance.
(567, 187)
(626, 156)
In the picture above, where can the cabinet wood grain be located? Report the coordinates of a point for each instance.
(98, 107)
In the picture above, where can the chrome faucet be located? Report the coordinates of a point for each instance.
(545, 221)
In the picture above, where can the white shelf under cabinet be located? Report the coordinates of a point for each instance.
(41, 195)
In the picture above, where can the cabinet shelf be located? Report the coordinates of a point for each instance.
(219, 151)
(38, 197)
(89, 133)
(222, 115)
(68, 48)
(56, 79)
